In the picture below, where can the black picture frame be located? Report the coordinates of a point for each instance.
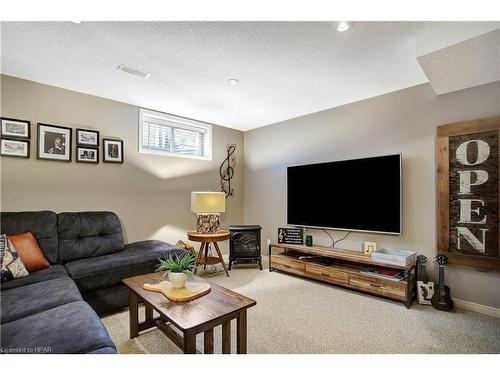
(10, 136)
(291, 235)
(68, 146)
(78, 160)
(15, 156)
(105, 151)
(87, 145)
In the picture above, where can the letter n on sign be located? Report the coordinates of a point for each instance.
(468, 193)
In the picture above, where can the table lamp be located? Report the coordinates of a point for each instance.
(208, 206)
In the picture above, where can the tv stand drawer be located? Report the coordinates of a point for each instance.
(325, 273)
(288, 264)
(391, 289)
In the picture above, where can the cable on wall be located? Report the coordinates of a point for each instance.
(337, 241)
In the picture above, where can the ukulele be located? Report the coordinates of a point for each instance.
(425, 289)
(421, 271)
(441, 299)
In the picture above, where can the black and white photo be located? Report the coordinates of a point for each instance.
(87, 155)
(112, 151)
(14, 128)
(88, 138)
(54, 142)
(16, 148)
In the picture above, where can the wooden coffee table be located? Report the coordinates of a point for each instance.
(218, 307)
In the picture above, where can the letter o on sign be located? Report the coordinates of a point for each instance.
(483, 151)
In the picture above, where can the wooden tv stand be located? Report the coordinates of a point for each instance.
(342, 268)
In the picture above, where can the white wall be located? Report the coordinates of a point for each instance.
(401, 122)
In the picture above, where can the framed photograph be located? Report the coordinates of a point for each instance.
(87, 155)
(468, 202)
(54, 142)
(15, 148)
(87, 138)
(13, 128)
(291, 235)
(112, 151)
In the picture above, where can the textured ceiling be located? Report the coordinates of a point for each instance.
(469, 63)
(286, 69)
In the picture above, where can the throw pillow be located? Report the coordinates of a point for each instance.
(29, 251)
(12, 266)
(186, 246)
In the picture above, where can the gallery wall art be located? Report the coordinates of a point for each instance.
(15, 148)
(15, 128)
(54, 142)
(112, 151)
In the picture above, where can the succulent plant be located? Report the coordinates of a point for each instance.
(184, 264)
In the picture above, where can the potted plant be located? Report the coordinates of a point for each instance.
(179, 269)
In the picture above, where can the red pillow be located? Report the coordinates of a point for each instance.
(29, 252)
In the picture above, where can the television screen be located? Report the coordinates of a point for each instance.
(355, 195)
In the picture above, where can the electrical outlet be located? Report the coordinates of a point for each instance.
(369, 247)
(268, 241)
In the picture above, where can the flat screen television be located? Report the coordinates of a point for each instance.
(363, 195)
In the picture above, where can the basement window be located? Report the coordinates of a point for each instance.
(164, 134)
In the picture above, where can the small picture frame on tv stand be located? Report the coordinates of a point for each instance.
(293, 236)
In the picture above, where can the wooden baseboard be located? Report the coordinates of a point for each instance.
(476, 307)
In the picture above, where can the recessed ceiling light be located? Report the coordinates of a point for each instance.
(77, 21)
(343, 26)
(135, 72)
(233, 81)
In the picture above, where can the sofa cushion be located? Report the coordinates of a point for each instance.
(43, 225)
(107, 300)
(18, 303)
(88, 234)
(70, 328)
(53, 272)
(105, 271)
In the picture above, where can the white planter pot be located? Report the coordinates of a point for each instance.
(178, 279)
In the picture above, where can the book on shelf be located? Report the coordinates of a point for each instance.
(393, 275)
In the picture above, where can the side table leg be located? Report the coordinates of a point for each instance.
(208, 341)
(207, 248)
(189, 342)
(221, 258)
(226, 337)
(241, 333)
(198, 258)
(133, 311)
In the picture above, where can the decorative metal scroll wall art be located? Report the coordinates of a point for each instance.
(226, 171)
(468, 193)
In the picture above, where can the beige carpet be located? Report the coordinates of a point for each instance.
(295, 315)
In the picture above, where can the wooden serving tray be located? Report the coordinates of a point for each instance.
(191, 291)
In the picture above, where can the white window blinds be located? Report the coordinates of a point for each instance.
(161, 133)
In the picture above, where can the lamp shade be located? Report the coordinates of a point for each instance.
(208, 202)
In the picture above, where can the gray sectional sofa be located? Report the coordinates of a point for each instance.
(56, 310)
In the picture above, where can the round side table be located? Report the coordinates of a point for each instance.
(206, 239)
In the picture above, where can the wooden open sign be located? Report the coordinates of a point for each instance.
(467, 193)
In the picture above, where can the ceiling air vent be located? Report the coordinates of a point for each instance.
(133, 71)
